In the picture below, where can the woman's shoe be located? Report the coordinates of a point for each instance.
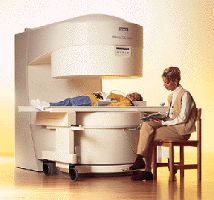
(142, 175)
(138, 164)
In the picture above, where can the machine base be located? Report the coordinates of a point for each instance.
(94, 168)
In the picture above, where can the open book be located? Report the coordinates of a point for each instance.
(152, 116)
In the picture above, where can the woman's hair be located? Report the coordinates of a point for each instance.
(172, 74)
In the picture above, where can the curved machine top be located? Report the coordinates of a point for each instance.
(96, 17)
(87, 18)
(90, 45)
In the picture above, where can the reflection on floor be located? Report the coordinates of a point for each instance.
(23, 184)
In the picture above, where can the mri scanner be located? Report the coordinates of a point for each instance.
(68, 59)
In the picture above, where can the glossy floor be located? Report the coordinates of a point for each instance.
(17, 183)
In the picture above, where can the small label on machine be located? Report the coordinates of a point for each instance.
(124, 51)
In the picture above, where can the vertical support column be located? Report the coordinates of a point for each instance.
(65, 137)
(64, 141)
(65, 146)
(72, 118)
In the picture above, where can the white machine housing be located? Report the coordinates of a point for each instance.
(78, 52)
(92, 45)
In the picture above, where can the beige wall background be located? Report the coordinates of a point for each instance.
(178, 33)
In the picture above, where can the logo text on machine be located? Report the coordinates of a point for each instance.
(123, 29)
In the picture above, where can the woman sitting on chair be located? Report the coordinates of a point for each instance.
(179, 125)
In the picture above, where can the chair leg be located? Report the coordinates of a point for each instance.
(154, 162)
(171, 161)
(199, 163)
(181, 161)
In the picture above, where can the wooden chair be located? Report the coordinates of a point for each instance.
(174, 166)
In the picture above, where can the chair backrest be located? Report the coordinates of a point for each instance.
(198, 124)
(198, 117)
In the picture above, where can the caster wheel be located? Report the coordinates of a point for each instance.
(49, 168)
(73, 172)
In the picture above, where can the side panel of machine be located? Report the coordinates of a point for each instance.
(25, 156)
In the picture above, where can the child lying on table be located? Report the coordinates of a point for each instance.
(93, 99)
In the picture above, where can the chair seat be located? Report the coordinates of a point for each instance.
(166, 143)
